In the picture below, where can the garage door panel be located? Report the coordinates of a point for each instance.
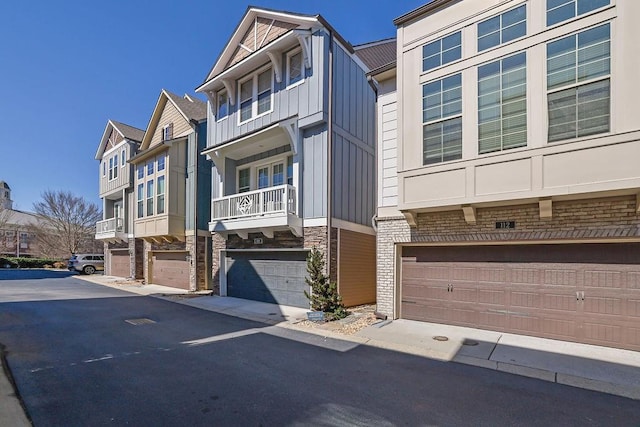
(170, 269)
(530, 289)
(276, 278)
(119, 263)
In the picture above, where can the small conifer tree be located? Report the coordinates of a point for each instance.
(324, 294)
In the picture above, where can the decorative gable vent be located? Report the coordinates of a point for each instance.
(262, 32)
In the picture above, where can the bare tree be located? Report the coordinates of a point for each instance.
(66, 223)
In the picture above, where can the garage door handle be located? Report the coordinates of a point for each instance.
(580, 296)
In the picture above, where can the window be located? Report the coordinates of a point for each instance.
(140, 200)
(294, 67)
(140, 172)
(255, 95)
(123, 157)
(167, 132)
(578, 84)
(290, 170)
(502, 28)
(263, 177)
(277, 174)
(160, 193)
(223, 105)
(442, 120)
(104, 167)
(562, 10)
(502, 104)
(244, 180)
(161, 163)
(150, 167)
(110, 168)
(442, 51)
(264, 92)
(150, 197)
(115, 166)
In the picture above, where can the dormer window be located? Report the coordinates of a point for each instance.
(167, 132)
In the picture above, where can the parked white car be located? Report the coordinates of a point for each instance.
(86, 263)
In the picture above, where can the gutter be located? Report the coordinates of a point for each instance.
(330, 153)
(196, 156)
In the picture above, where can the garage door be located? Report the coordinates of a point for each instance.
(170, 269)
(276, 278)
(119, 263)
(585, 293)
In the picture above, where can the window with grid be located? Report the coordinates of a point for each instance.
(160, 195)
(167, 132)
(442, 51)
(290, 170)
(161, 160)
(246, 100)
(264, 91)
(442, 120)
(502, 104)
(563, 10)
(255, 95)
(503, 28)
(578, 84)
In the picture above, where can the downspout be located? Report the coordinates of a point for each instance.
(329, 156)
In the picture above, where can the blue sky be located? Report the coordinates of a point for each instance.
(68, 66)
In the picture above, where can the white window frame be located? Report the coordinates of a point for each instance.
(144, 197)
(167, 132)
(254, 94)
(441, 52)
(104, 167)
(218, 118)
(500, 31)
(442, 117)
(254, 166)
(302, 68)
(123, 158)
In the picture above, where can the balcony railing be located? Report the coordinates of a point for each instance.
(266, 201)
(111, 225)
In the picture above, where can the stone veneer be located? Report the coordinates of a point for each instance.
(607, 219)
(312, 236)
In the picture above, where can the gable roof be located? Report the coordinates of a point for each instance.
(285, 23)
(128, 132)
(190, 108)
(377, 54)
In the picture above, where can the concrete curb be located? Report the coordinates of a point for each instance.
(12, 412)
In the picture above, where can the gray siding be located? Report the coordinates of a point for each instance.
(353, 150)
(303, 100)
(314, 175)
(125, 173)
(198, 181)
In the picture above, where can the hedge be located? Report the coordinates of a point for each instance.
(36, 262)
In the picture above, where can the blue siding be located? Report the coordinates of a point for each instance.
(198, 198)
(353, 152)
(314, 176)
(305, 99)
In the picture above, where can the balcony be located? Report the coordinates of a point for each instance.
(265, 211)
(111, 229)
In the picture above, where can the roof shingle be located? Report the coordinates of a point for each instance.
(377, 54)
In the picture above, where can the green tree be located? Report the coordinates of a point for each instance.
(324, 293)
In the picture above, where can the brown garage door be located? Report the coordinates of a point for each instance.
(357, 268)
(585, 293)
(119, 263)
(170, 269)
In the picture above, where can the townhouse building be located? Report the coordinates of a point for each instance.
(291, 139)
(509, 189)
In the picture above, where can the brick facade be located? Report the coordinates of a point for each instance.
(607, 219)
(312, 236)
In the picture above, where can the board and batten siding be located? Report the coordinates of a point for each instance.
(314, 172)
(198, 181)
(353, 151)
(125, 173)
(170, 114)
(302, 100)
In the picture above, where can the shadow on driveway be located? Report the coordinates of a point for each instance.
(33, 274)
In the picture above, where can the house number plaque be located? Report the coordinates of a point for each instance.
(505, 225)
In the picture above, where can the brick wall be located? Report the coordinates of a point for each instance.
(312, 236)
(198, 271)
(604, 219)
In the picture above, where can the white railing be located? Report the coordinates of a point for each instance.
(272, 200)
(110, 225)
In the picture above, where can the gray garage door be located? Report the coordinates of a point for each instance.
(276, 277)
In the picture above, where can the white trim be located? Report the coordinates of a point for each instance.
(114, 148)
(217, 104)
(123, 156)
(255, 165)
(303, 73)
(314, 222)
(352, 226)
(254, 94)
